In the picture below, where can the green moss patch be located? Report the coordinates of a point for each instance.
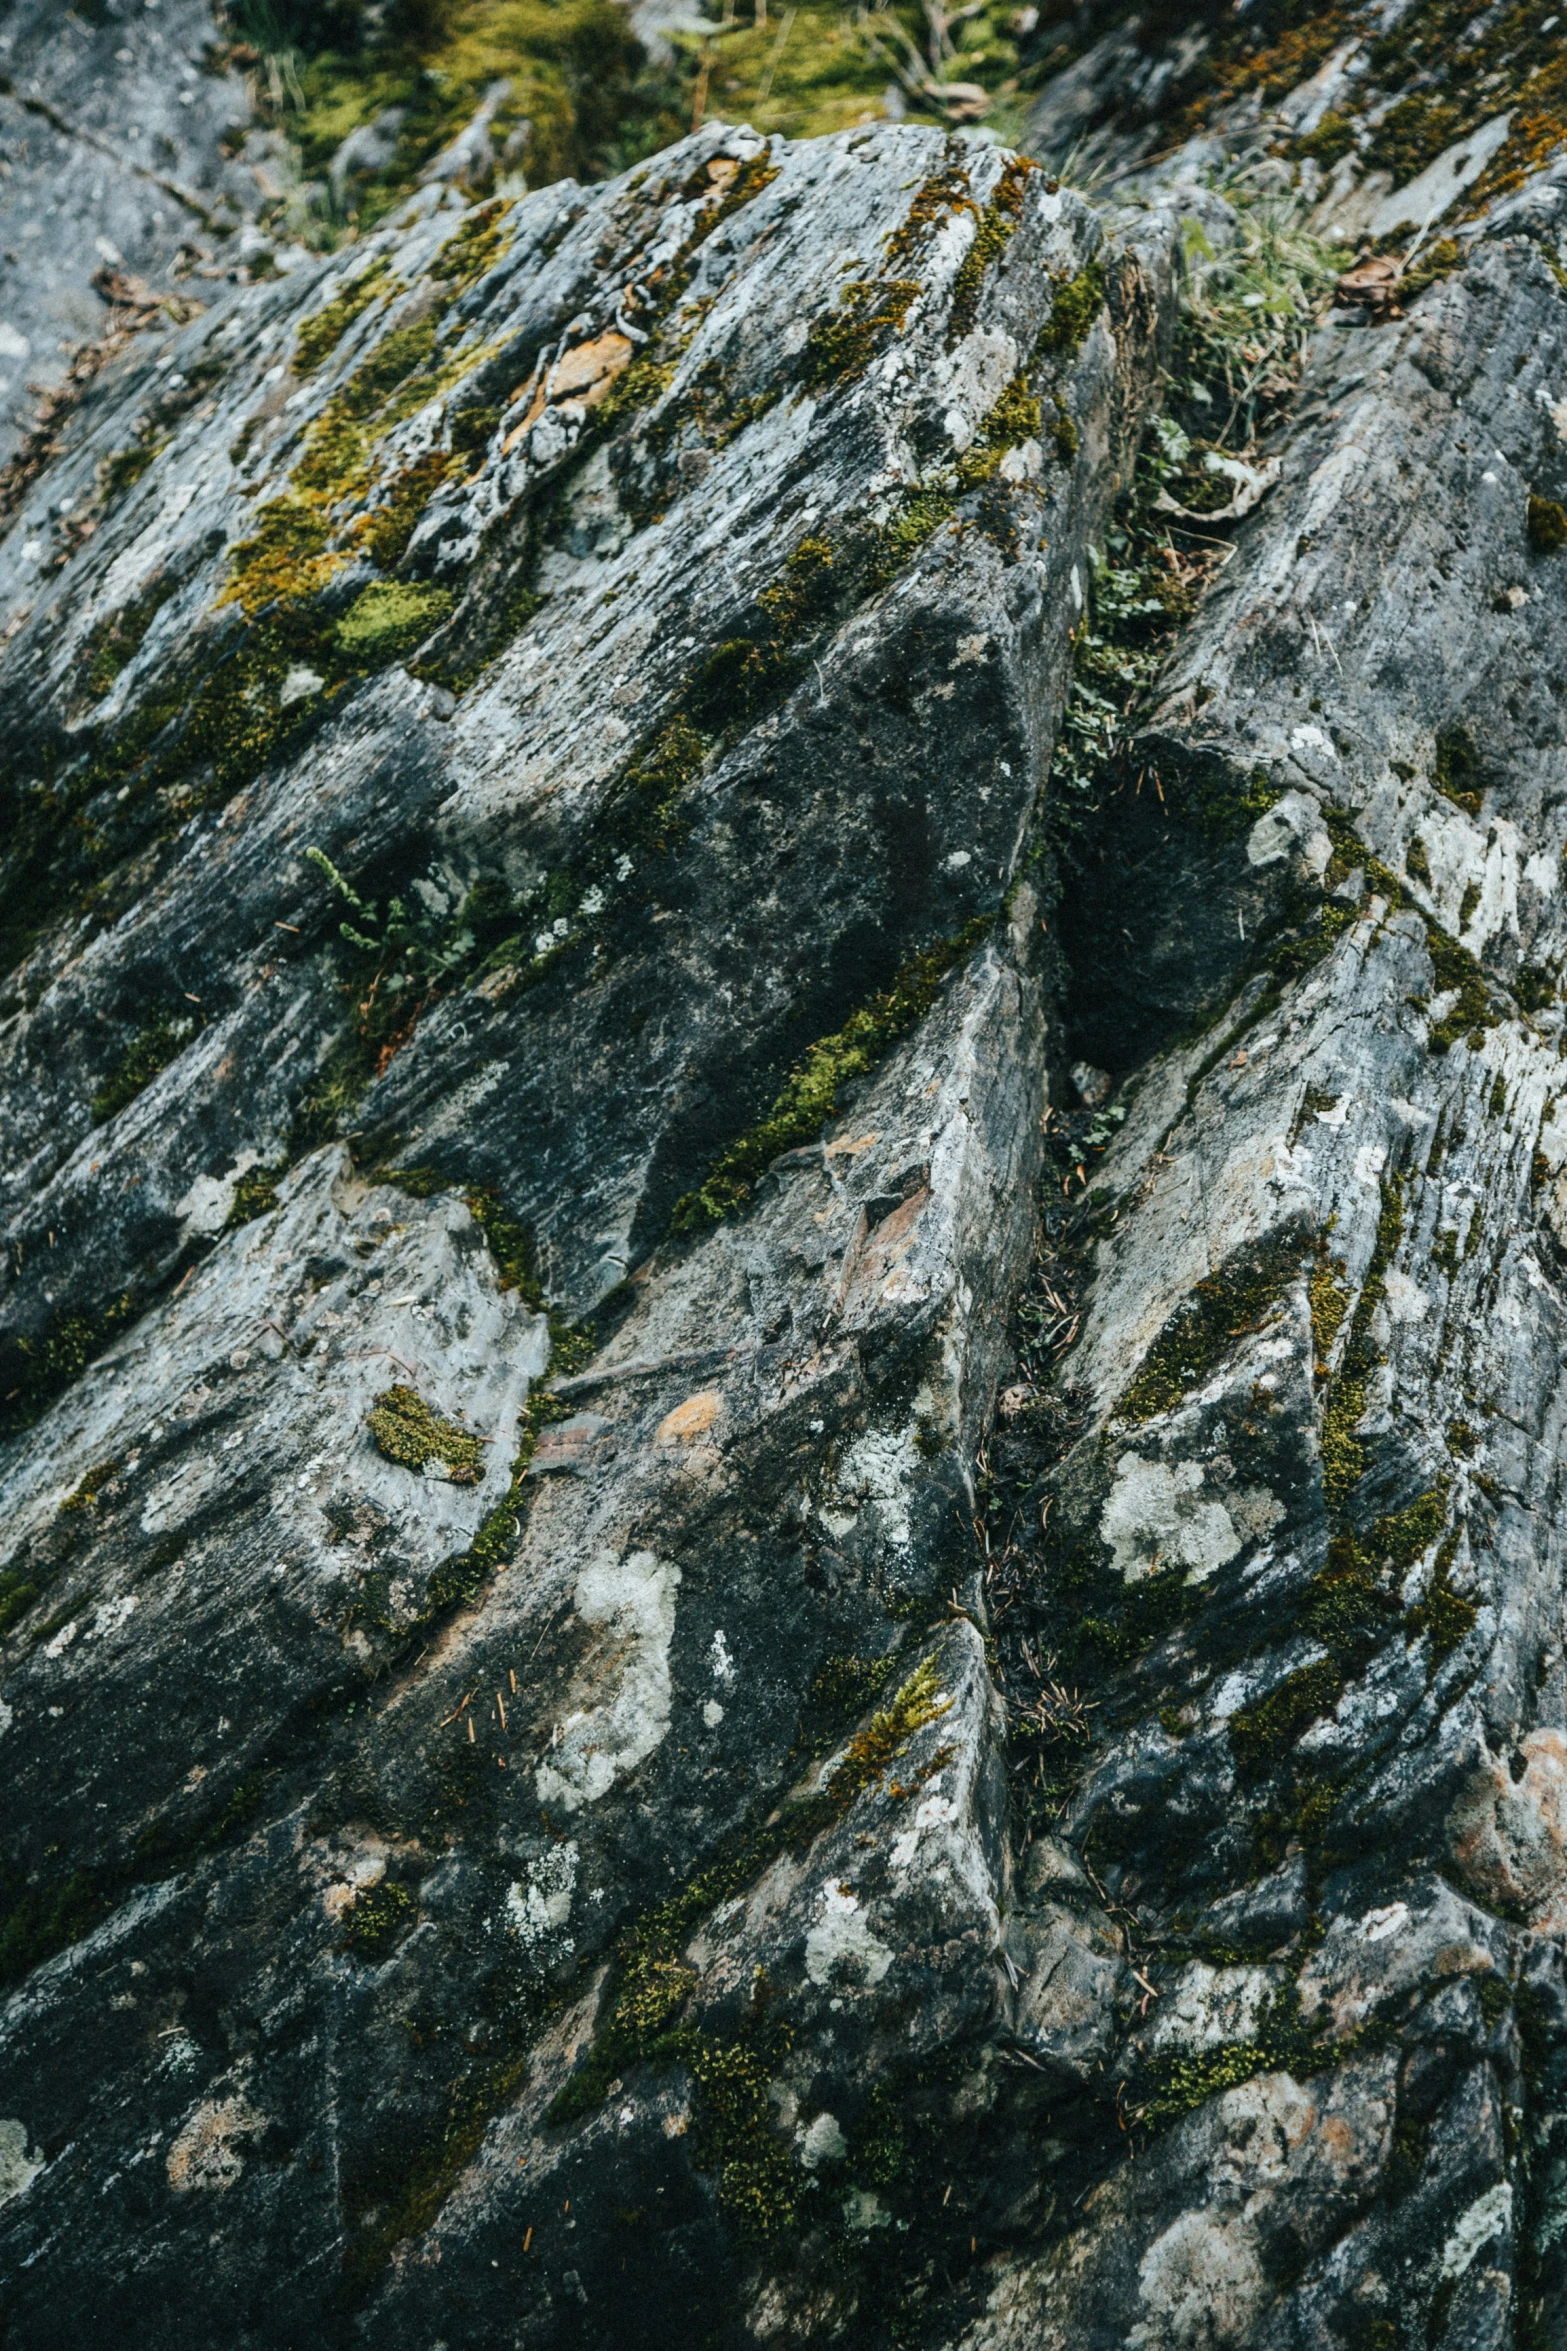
(114, 644)
(1458, 772)
(390, 618)
(83, 1497)
(810, 1097)
(255, 1194)
(320, 334)
(1076, 304)
(50, 1361)
(412, 1433)
(1260, 1735)
(1476, 1009)
(1547, 519)
(156, 1043)
(1186, 2079)
(655, 1984)
(1343, 1454)
(1444, 1614)
(376, 1921)
(1244, 1296)
(993, 232)
(841, 343)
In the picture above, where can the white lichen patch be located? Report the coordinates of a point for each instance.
(1160, 1516)
(823, 2142)
(601, 1740)
(18, 2169)
(840, 1949)
(1489, 2216)
(1203, 2286)
(935, 1811)
(538, 1905)
(1406, 1301)
(1206, 2007)
(864, 2210)
(878, 1470)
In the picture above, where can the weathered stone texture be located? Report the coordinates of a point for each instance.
(518, 1832)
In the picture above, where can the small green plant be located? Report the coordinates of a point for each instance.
(1249, 309)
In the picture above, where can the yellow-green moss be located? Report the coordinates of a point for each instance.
(756, 2173)
(324, 329)
(376, 1921)
(1343, 1454)
(1547, 524)
(1457, 771)
(156, 1043)
(1015, 418)
(1261, 1734)
(115, 642)
(1475, 1009)
(993, 232)
(1329, 1293)
(1182, 2080)
(574, 73)
(409, 1431)
(1077, 303)
(84, 1494)
(1443, 1614)
(391, 617)
(841, 343)
(255, 1194)
(1243, 1296)
(810, 1097)
(58, 1355)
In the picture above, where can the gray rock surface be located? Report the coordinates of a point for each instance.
(111, 133)
(576, 1780)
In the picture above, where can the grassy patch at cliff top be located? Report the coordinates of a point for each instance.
(583, 99)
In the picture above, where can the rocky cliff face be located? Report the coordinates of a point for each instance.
(784, 1205)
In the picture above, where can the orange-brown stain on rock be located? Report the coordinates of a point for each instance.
(690, 1420)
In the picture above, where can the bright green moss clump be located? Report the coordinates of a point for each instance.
(390, 617)
(411, 1432)
(810, 1096)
